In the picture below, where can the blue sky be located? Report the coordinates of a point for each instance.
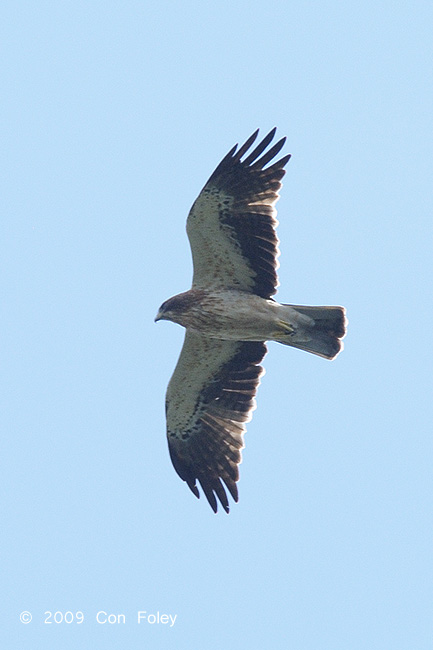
(113, 115)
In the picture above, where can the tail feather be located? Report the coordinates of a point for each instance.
(322, 335)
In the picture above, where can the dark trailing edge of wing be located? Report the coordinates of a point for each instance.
(254, 189)
(211, 454)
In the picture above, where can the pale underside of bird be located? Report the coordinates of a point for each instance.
(228, 314)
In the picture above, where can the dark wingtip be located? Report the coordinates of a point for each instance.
(194, 489)
(259, 148)
(246, 145)
(271, 153)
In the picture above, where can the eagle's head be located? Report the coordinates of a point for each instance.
(174, 308)
(178, 309)
(167, 311)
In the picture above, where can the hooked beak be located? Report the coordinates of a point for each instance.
(158, 316)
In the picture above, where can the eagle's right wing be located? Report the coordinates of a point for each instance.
(209, 399)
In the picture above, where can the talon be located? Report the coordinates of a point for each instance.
(286, 327)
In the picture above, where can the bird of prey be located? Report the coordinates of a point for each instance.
(229, 314)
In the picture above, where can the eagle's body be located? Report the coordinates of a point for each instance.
(233, 315)
(228, 314)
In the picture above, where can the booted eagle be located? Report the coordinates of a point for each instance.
(228, 315)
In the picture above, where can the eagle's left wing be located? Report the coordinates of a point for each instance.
(231, 226)
(209, 399)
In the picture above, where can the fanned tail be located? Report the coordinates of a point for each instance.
(321, 335)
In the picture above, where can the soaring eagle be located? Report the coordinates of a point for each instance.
(228, 314)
